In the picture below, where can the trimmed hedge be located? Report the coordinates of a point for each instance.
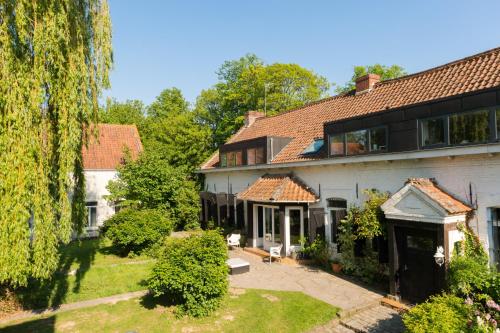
(134, 231)
(192, 273)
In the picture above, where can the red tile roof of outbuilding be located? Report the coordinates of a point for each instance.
(278, 188)
(444, 199)
(107, 151)
(474, 73)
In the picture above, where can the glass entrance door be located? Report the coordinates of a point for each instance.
(295, 228)
(268, 226)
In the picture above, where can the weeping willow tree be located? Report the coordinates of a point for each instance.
(54, 61)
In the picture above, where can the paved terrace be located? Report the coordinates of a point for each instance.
(338, 292)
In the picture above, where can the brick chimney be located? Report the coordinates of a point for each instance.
(251, 116)
(366, 82)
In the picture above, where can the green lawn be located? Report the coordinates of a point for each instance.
(253, 311)
(88, 269)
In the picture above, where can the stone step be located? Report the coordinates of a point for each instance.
(375, 319)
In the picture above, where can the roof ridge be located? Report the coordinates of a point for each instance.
(439, 67)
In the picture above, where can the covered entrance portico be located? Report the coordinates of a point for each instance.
(422, 221)
(277, 212)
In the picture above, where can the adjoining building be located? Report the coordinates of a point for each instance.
(101, 157)
(430, 139)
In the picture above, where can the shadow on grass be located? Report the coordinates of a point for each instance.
(52, 292)
(43, 325)
(150, 302)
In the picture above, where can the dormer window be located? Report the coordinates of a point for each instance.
(255, 156)
(223, 160)
(314, 147)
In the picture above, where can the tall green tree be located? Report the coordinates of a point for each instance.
(54, 61)
(127, 113)
(171, 132)
(385, 72)
(248, 84)
(169, 102)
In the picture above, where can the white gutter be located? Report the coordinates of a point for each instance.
(451, 152)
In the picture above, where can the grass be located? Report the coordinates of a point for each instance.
(88, 269)
(252, 311)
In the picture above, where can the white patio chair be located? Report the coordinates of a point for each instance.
(275, 252)
(233, 240)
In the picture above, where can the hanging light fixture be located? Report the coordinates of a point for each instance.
(439, 256)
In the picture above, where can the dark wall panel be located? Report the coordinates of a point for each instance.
(480, 100)
(403, 140)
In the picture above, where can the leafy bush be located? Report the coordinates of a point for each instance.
(134, 231)
(442, 313)
(151, 182)
(467, 276)
(318, 250)
(192, 273)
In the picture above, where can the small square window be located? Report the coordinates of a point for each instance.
(337, 145)
(433, 131)
(356, 142)
(378, 139)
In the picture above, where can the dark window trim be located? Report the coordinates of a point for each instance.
(446, 125)
(386, 128)
(367, 135)
(330, 146)
(491, 126)
(368, 142)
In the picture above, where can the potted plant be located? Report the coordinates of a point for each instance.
(336, 265)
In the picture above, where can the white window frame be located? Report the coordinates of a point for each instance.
(288, 245)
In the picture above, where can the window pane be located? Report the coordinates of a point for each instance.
(356, 142)
(239, 158)
(378, 139)
(277, 233)
(230, 159)
(251, 156)
(260, 221)
(92, 211)
(314, 147)
(259, 156)
(337, 145)
(268, 212)
(498, 124)
(433, 131)
(469, 127)
(294, 226)
(223, 160)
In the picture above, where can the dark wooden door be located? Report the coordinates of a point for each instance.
(418, 275)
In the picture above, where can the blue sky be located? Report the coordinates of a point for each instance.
(161, 44)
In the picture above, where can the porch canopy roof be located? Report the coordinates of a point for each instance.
(279, 188)
(422, 199)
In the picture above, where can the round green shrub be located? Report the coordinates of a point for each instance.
(442, 313)
(133, 231)
(192, 273)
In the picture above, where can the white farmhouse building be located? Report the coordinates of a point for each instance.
(431, 139)
(101, 158)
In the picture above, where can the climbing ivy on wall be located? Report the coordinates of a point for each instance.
(54, 60)
(363, 224)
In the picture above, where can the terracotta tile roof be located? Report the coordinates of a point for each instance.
(430, 188)
(107, 151)
(474, 73)
(278, 188)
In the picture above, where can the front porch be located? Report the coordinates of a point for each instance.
(278, 213)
